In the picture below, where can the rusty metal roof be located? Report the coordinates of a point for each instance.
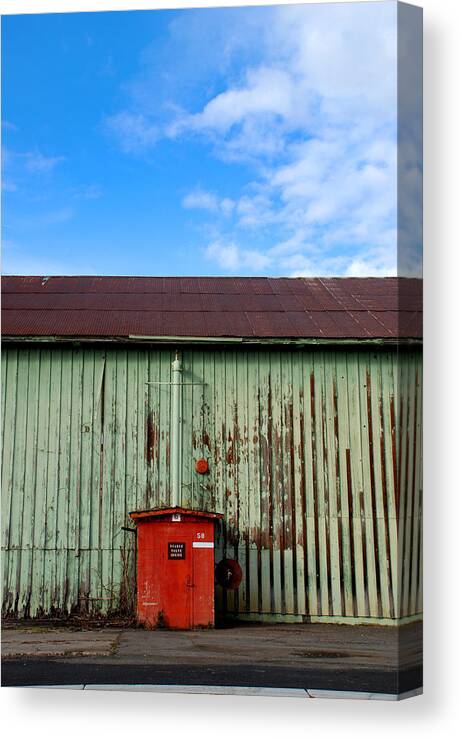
(161, 511)
(212, 307)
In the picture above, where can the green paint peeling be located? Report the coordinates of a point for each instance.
(314, 455)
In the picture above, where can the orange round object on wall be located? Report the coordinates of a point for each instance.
(201, 466)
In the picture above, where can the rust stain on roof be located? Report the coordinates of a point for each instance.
(246, 307)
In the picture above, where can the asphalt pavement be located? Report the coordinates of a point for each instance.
(372, 659)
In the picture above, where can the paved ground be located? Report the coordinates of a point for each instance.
(362, 658)
(46, 642)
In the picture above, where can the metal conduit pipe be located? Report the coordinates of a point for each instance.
(176, 423)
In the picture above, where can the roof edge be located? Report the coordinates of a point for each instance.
(178, 509)
(220, 340)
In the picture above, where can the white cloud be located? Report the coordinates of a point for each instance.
(133, 131)
(298, 265)
(18, 166)
(320, 124)
(37, 162)
(226, 256)
(255, 211)
(266, 92)
(369, 267)
(227, 205)
(231, 258)
(345, 53)
(201, 200)
(313, 112)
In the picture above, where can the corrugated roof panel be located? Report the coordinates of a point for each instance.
(390, 320)
(228, 324)
(212, 306)
(87, 301)
(318, 295)
(344, 298)
(369, 322)
(83, 284)
(176, 323)
(325, 324)
(253, 285)
(377, 302)
(347, 326)
(303, 325)
(246, 302)
(412, 302)
(410, 324)
(216, 286)
(291, 303)
(271, 325)
(286, 285)
(180, 285)
(373, 285)
(183, 302)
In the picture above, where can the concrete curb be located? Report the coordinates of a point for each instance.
(336, 694)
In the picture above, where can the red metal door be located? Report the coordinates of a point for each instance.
(164, 597)
(176, 563)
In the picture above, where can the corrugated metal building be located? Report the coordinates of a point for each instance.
(304, 395)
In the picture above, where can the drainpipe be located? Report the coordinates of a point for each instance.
(176, 422)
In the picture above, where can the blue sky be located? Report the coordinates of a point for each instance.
(213, 142)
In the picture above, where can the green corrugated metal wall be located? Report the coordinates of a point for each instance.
(315, 461)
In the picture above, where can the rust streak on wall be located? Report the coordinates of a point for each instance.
(281, 427)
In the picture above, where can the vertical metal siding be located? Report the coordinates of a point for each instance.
(315, 461)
